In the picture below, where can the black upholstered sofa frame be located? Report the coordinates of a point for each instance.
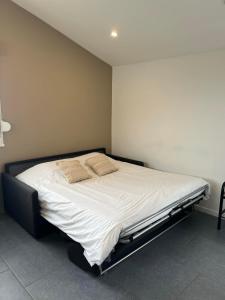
(22, 204)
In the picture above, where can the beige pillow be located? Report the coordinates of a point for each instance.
(101, 165)
(67, 163)
(73, 171)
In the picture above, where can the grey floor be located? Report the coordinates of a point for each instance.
(188, 262)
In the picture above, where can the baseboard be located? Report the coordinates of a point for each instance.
(206, 210)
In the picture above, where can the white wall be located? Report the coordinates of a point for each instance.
(171, 114)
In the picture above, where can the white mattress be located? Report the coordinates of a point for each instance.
(97, 211)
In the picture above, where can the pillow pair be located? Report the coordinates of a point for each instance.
(74, 171)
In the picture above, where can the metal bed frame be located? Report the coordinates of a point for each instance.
(221, 209)
(22, 203)
(145, 236)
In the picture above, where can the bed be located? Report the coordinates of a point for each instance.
(106, 218)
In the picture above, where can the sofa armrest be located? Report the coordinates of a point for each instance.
(128, 160)
(22, 204)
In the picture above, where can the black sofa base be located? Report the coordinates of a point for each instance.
(75, 253)
(22, 204)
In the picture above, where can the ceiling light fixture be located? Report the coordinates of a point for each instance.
(114, 34)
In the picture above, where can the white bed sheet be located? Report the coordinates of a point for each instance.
(95, 212)
(162, 213)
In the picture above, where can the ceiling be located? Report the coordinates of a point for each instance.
(147, 29)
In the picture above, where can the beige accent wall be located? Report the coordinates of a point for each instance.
(170, 113)
(56, 95)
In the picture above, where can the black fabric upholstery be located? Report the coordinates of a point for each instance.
(17, 167)
(21, 202)
(75, 253)
(128, 160)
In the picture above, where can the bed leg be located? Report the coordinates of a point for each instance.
(222, 196)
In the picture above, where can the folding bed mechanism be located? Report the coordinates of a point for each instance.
(132, 244)
(22, 203)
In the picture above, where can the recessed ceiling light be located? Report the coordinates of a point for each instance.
(114, 34)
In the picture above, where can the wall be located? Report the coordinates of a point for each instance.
(171, 114)
(56, 95)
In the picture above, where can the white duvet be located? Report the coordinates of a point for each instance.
(94, 212)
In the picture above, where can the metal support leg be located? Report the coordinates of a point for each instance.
(222, 196)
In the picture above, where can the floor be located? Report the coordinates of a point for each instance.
(188, 262)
